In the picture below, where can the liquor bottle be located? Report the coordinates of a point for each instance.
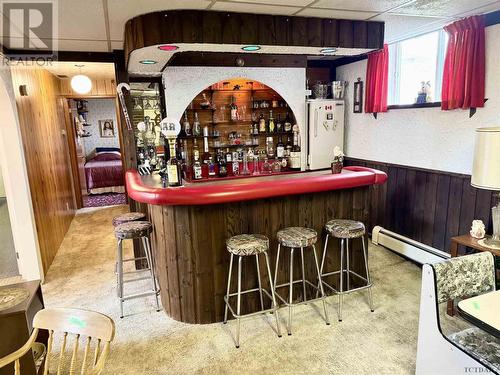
(294, 159)
(255, 129)
(173, 168)
(288, 123)
(222, 166)
(196, 125)
(234, 109)
(183, 133)
(280, 148)
(279, 125)
(211, 167)
(187, 126)
(197, 167)
(228, 156)
(271, 122)
(270, 147)
(206, 154)
(196, 150)
(288, 147)
(262, 124)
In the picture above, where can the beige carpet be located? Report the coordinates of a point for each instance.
(148, 342)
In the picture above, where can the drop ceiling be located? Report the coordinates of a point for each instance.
(90, 69)
(97, 25)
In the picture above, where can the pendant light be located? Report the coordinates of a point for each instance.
(80, 83)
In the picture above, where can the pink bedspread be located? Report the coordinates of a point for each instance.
(106, 173)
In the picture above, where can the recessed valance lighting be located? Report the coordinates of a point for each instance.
(168, 47)
(328, 50)
(148, 62)
(250, 48)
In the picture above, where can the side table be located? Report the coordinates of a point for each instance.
(16, 326)
(468, 241)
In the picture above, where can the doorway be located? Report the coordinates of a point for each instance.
(94, 136)
(8, 257)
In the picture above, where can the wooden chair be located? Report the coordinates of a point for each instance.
(68, 322)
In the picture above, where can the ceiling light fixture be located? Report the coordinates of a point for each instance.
(168, 47)
(250, 48)
(80, 83)
(328, 50)
(148, 62)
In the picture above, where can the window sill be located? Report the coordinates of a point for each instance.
(419, 105)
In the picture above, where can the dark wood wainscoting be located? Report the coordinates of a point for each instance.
(426, 205)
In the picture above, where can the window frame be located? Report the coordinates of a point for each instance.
(395, 73)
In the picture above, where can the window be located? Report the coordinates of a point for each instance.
(413, 61)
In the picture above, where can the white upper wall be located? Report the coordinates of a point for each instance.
(423, 137)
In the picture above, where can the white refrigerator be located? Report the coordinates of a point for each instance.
(325, 130)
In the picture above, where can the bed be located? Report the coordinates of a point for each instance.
(104, 172)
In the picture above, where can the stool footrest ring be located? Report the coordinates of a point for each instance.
(260, 312)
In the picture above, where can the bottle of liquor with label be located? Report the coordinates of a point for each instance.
(280, 148)
(271, 126)
(288, 147)
(294, 160)
(234, 109)
(197, 174)
(174, 177)
(288, 123)
(222, 165)
(262, 124)
(279, 125)
(206, 152)
(211, 167)
(196, 125)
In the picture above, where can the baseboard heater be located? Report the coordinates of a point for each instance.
(407, 247)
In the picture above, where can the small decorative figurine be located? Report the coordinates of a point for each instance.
(477, 230)
(338, 160)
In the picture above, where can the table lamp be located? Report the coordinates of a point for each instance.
(486, 174)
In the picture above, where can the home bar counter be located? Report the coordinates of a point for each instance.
(191, 224)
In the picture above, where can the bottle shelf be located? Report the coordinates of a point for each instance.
(232, 146)
(272, 133)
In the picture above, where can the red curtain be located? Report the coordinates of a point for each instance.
(376, 81)
(464, 67)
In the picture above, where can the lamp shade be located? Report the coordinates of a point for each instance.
(486, 166)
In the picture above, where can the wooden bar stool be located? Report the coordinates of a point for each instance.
(129, 231)
(294, 238)
(346, 230)
(245, 245)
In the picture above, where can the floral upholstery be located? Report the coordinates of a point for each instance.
(297, 237)
(129, 216)
(464, 276)
(480, 344)
(247, 244)
(342, 228)
(133, 229)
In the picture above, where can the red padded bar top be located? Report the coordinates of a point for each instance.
(147, 189)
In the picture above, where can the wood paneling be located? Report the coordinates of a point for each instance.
(426, 205)
(104, 88)
(193, 263)
(41, 118)
(181, 26)
(229, 59)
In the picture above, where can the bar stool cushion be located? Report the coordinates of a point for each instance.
(247, 244)
(297, 237)
(133, 229)
(342, 228)
(129, 216)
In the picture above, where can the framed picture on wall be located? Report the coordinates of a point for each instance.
(107, 128)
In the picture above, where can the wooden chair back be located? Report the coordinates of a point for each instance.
(85, 328)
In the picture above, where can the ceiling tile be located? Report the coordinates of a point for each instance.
(341, 14)
(91, 69)
(81, 22)
(255, 8)
(399, 27)
(299, 3)
(117, 44)
(83, 45)
(367, 5)
(120, 11)
(440, 8)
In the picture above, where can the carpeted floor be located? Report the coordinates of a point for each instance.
(101, 200)
(148, 342)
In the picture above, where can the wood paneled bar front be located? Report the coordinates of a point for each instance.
(191, 225)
